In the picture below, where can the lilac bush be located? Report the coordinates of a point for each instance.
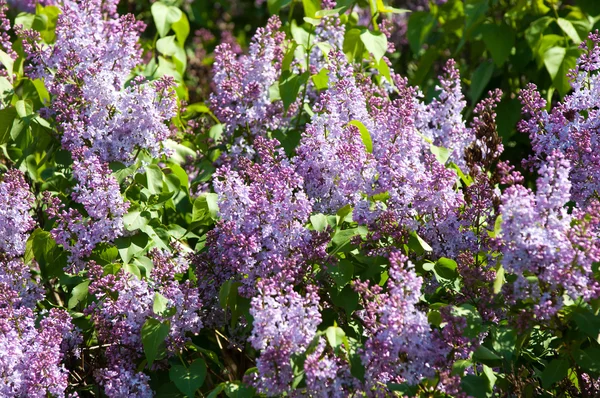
(319, 227)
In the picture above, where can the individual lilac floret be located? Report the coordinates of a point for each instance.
(16, 201)
(284, 324)
(241, 98)
(332, 157)
(401, 347)
(85, 72)
(441, 120)
(263, 211)
(540, 238)
(98, 191)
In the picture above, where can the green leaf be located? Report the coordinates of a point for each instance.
(275, 5)
(154, 334)
(561, 81)
(475, 386)
(342, 273)
(135, 219)
(24, 108)
(479, 81)
(441, 154)
(569, 29)
(553, 59)
(181, 29)
(420, 25)
(160, 304)
(588, 359)
(364, 135)
(164, 16)
(335, 336)
(189, 380)
(289, 87)
(353, 46)
(474, 322)
(417, 244)
(375, 43)
(78, 294)
(8, 63)
(206, 208)
(446, 268)
(535, 31)
(486, 356)
(7, 117)
(554, 372)
(311, 7)
(499, 41)
(383, 8)
(321, 80)
(319, 222)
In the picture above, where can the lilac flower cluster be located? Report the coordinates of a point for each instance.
(98, 191)
(31, 357)
(284, 324)
(263, 211)
(124, 303)
(401, 347)
(570, 127)
(241, 98)
(540, 238)
(16, 222)
(85, 71)
(332, 157)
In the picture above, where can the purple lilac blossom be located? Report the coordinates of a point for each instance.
(285, 323)
(401, 346)
(571, 126)
(263, 211)
(85, 72)
(332, 157)
(123, 305)
(16, 201)
(98, 191)
(540, 238)
(241, 98)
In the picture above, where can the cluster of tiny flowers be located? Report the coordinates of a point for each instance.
(572, 125)
(263, 211)
(241, 98)
(401, 347)
(538, 239)
(441, 120)
(332, 157)
(16, 222)
(98, 191)
(123, 304)
(30, 357)
(5, 42)
(85, 71)
(285, 323)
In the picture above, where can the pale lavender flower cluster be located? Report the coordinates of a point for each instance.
(284, 324)
(571, 127)
(263, 211)
(241, 99)
(5, 42)
(16, 222)
(98, 191)
(30, 356)
(441, 121)
(123, 304)
(540, 238)
(85, 71)
(401, 346)
(332, 157)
